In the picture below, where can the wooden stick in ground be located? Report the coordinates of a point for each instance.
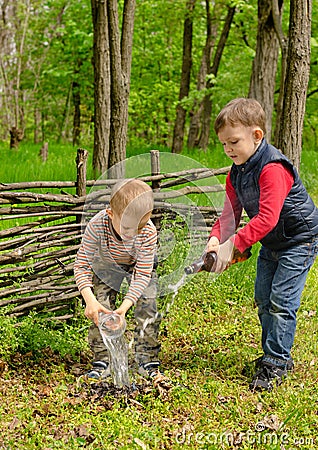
(81, 161)
(155, 184)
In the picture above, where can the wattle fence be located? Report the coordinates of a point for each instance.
(40, 233)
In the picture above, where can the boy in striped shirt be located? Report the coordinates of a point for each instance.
(120, 243)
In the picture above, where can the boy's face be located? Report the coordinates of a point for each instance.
(126, 225)
(240, 142)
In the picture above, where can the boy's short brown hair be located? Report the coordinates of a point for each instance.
(132, 195)
(245, 111)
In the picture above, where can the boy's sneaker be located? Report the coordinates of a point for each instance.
(150, 370)
(267, 377)
(99, 371)
(289, 367)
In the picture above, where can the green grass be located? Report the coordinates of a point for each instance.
(25, 164)
(210, 335)
(209, 338)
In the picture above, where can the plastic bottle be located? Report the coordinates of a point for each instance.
(111, 325)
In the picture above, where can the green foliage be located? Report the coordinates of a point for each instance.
(35, 334)
(309, 171)
(8, 336)
(57, 52)
(176, 231)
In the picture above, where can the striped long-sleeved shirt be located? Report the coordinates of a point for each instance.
(100, 243)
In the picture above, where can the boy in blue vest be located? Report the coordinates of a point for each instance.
(282, 217)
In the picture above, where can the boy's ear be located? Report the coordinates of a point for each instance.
(109, 213)
(258, 134)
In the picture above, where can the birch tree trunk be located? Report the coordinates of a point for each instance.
(296, 83)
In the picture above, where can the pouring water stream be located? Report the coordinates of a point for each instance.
(112, 328)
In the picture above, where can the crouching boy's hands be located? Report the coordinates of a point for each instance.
(93, 307)
(126, 304)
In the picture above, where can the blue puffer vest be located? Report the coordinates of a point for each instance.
(298, 221)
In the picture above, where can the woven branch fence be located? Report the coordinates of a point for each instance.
(40, 233)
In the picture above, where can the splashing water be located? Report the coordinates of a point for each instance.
(174, 288)
(111, 328)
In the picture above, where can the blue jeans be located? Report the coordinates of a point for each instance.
(280, 280)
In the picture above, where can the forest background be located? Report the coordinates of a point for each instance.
(49, 51)
(211, 333)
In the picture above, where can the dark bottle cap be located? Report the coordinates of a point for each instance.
(205, 262)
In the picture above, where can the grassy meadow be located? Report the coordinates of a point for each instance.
(209, 338)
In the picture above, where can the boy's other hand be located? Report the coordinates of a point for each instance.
(126, 304)
(93, 308)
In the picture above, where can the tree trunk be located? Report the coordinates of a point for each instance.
(262, 83)
(118, 94)
(296, 83)
(207, 102)
(197, 109)
(178, 133)
(65, 116)
(120, 63)
(283, 42)
(37, 123)
(112, 67)
(101, 86)
(16, 136)
(44, 152)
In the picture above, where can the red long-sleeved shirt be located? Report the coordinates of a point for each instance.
(275, 182)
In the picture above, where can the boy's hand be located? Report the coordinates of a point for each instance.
(212, 245)
(126, 304)
(93, 307)
(224, 256)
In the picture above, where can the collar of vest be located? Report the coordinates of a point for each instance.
(254, 159)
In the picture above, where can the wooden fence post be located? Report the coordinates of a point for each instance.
(81, 161)
(155, 168)
(44, 151)
(155, 184)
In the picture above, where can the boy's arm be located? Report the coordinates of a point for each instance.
(142, 271)
(84, 274)
(226, 225)
(275, 183)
